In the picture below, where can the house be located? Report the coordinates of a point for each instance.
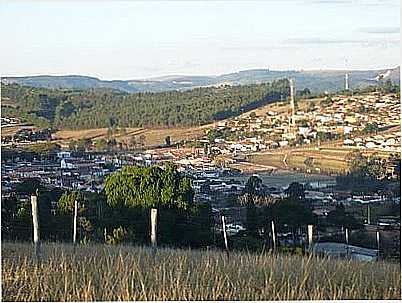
(344, 250)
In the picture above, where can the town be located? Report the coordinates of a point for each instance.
(218, 166)
(200, 151)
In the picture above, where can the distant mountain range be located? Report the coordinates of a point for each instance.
(315, 80)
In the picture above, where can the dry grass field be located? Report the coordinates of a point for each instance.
(105, 273)
(328, 157)
(12, 130)
(153, 136)
(296, 159)
(281, 107)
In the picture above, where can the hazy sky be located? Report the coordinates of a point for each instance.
(135, 39)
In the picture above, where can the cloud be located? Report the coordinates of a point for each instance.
(251, 47)
(321, 41)
(316, 40)
(332, 1)
(381, 30)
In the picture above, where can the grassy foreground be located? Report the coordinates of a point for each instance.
(134, 273)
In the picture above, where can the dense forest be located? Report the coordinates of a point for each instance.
(94, 108)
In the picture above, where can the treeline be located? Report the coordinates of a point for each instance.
(368, 174)
(95, 108)
(119, 214)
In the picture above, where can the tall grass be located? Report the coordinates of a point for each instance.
(135, 273)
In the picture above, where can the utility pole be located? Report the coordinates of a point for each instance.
(225, 237)
(35, 221)
(273, 235)
(154, 213)
(75, 222)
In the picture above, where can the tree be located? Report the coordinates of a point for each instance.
(149, 187)
(65, 205)
(142, 140)
(29, 186)
(104, 108)
(251, 191)
(292, 213)
(167, 141)
(288, 214)
(309, 162)
(371, 128)
(340, 218)
(212, 135)
(295, 191)
(304, 93)
(253, 185)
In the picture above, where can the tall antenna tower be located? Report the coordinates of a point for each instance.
(346, 81)
(292, 99)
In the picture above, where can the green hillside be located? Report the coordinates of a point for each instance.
(94, 108)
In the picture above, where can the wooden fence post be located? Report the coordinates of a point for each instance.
(225, 235)
(273, 235)
(378, 242)
(154, 213)
(310, 237)
(35, 221)
(75, 222)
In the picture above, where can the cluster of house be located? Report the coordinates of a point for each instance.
(387, 142)
(27, 136)
(347, 117)
(9, 121)
(218, 186)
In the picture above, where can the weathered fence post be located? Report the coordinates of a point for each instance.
(35, 221)
(273, 235)
(310, 237)
(225, 235)
(154, 213)
(75, 222)
(378, 242)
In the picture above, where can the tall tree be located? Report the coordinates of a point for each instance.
(149, 187)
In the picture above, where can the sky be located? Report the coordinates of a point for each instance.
(141, 39)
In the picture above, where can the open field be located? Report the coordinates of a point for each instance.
(329, 157)
(152, 136)
(293, 159)
(156, 136)
(281, 107)
(12, 130)
(105, 273)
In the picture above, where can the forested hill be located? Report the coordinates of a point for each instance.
(94, 108)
